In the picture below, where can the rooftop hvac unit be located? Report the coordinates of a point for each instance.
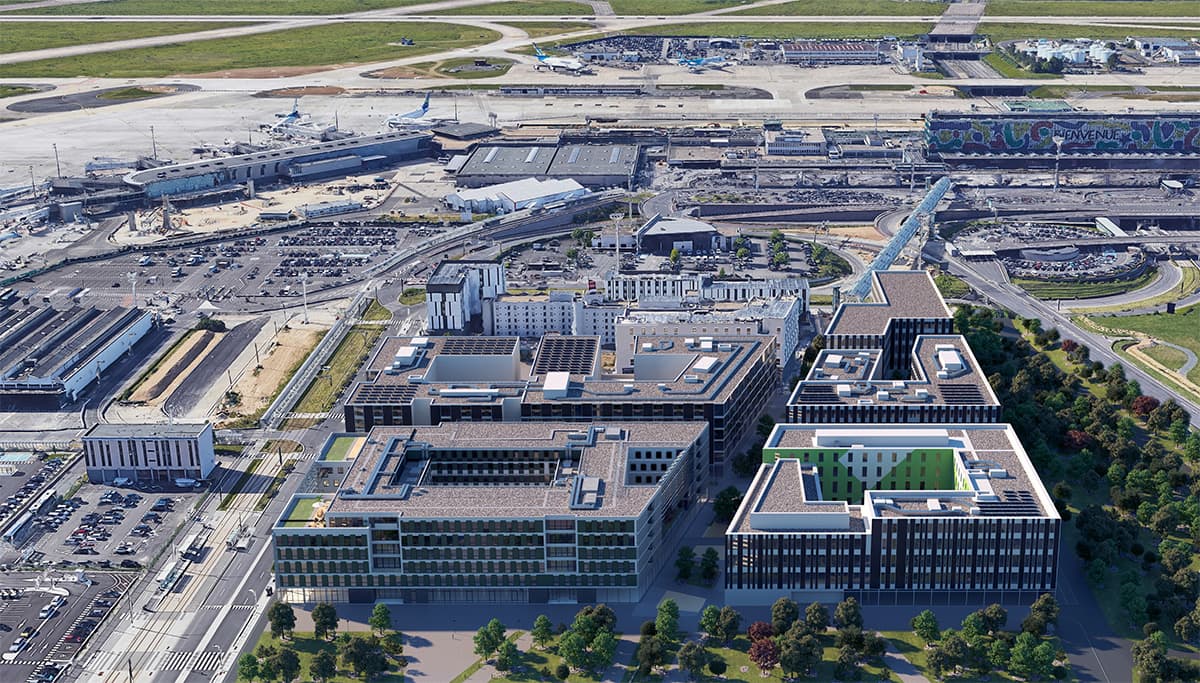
(691, 379)
(725, 347)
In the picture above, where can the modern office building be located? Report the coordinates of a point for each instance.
(499, 513)
(654, 286)
(942, 383)
(902, 305)
(930, 514)
(457, 294)
(723, 381)
(523, 315)
(148, 453)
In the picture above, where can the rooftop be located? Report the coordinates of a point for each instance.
(562, 468)
(944, 372)
(895, 294)
(454, 272)
(170, 430)
(991, 476)
(660, 225)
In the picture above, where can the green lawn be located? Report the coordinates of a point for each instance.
(1182, 328)
(1086, 8)
(1001, 31)
(332, 44)
(15, 90)
(302, 511)
(785, 29)
(1046, 289)
(45, 35)
(307, 647)
(537, 660)
(951, 287)
(736, 658)
(263, 7)
(1008, 68)
(1189, 283)
(1169, 356)
(538, 29)
(340, 448)
(671, 7)
(452, 68)
(522, 8)
(327, 386)
(868, 8)
(412, 296)
(126, 94)
(377, 311)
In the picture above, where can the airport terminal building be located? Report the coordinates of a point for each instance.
(493, 513)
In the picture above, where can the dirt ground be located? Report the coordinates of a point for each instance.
(301, 91)
(861, 232)
(291, 346)
(170, 373)
(398, 72)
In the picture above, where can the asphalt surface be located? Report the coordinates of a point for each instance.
(209, 370)
(90, 100)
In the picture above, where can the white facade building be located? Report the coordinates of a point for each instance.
(148, 452)
(652, 286)
(561, 312)
(515, 195)
(456, 293)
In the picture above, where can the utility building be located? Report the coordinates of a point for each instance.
(148, 453)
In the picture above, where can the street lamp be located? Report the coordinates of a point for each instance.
(1058, 143)
(57, 166)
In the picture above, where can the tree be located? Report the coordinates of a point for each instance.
(926, 627)
(325, 620)
(798, 657)
(998, 654)
(846, 668)
(760, 630)
(562, 671)
(784, 613)
(488, 638)
(685, 562)
(667, 620)
(1043, 611)
(717, 667)
(710, 564)
(1021, 659)
(248, 666)
(674, 257)
(542, 632)
(324, 666)
(282, 619)
(267, 671)
(1186, 628)
(381, 618)
(364, 656)
(765, 654)
(1143, 405)
(848, 613)
(1150, 658)
(287, 662)
(692, 658)
(506, 656)
(996, 616)
(710, 622)
(573, 649)
(731, 622)
(743, 253)
(393, 643)
(937, 662)
(816, 616)
(604, 648)
(651, 653)
(726, 503)
(602, 618)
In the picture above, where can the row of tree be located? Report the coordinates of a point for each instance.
(982, 646)
(367, 656)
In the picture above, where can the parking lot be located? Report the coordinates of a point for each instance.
(44, 620)
(24, 485)
(102, 527)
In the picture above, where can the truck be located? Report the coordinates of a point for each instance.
(185, 482)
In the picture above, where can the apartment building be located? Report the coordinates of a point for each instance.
(457, 293)
(493, 513)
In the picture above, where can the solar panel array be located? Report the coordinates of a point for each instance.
(576, 355)
(962, 395)
(384, 393)
(478, 346)
(817, 393)
(1012, 504)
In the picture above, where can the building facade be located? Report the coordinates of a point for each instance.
(458, 293)
(148, 453)
(893, 515)
(512, 513)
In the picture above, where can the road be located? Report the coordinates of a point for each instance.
(1169, 279)
(1016, 300)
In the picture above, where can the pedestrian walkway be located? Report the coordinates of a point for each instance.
(105, 660)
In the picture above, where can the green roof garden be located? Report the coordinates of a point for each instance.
(342, 447)
(303, 511)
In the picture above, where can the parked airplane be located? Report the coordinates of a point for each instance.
(700, 63)
(417, 118)
(569, 64)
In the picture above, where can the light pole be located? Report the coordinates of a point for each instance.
(153, 144)
(57, 166)
(304, 294)
(132, 277)
(1058, 143)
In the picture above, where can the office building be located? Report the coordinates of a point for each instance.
(934, 514)
(148, 453)
(902, 305)
(776, 318)
(493, 513)
(457, 292)
(658, 287)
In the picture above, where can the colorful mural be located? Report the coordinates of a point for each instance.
(1001, 134)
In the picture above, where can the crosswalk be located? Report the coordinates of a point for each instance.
(105, 660)
(230, 607)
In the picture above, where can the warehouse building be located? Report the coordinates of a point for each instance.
(148, 453)
(49, 356)
(836, 52)
(930, 514)
(301, 163)
(527, 193)
(427, 381)
(495, 513)
(661, 235)
(593, 166)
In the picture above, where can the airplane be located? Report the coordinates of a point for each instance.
(560, 63)
(295, 124)
(697, 64)
(417, 118)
